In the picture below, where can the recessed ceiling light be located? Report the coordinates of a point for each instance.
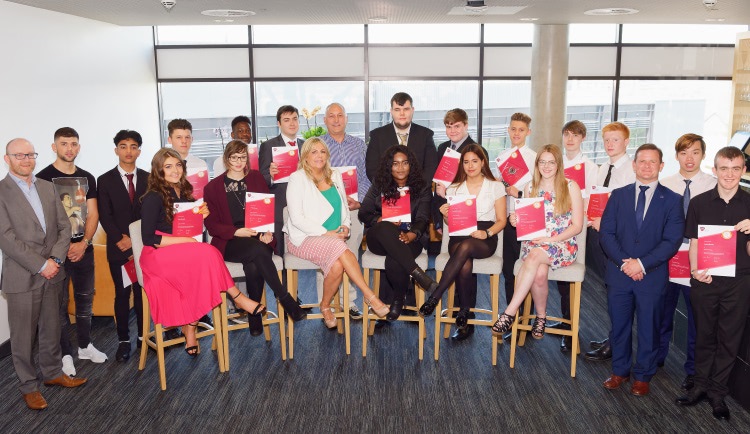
(612, 11)
(715, 20)
(528, 19)
(377, 19)
(227, 13)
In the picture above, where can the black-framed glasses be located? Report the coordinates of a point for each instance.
(31, 156)
(236, 158)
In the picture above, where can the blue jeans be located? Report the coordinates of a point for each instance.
(82, 275)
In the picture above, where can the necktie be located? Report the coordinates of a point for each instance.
(686, 197)
(640, 207)
(131, 187)
(609, 175)
(292, 143)
(403, 138)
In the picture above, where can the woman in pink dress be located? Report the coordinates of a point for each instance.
(182, 277)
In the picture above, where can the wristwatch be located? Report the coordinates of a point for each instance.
(57, 260)
(488, 232)
(87, 241)
(520, 194)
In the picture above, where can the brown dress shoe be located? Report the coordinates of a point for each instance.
(615, 381)
(640, 388)
(35, 400)
(65, 381)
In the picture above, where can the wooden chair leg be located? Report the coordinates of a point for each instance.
(365, 316)
(438, 322)
(575, 308)
(159, 335)
(526, 314)
(282, 326)
(420, 338)
(345, 310)
(225, 330)
(266, 327)
(514, 334)
(292, 289)
(147, 333)
(449, 313)
(221, 348)
(494, 299)
(376, 288)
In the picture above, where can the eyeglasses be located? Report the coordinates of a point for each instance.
(31, 156)
(236, 158)
(403, 163)
(543, 163)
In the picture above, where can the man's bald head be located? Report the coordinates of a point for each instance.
(22, 168)
(15, 143)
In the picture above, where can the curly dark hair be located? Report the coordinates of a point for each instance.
(158, 184)
(384, 177)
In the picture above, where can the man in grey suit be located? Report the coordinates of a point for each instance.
(34, 238)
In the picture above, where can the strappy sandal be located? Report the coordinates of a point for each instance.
(537, 329)
(330, 322)
(193, 350)
(504, 323)
(379, 311)
(259, 309)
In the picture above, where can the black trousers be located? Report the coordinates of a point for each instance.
(82, 275)
(256, 259)
(122, 302)
(564, 289)
(511, 253)
(596, 260)
(720, 310)
(382, 239)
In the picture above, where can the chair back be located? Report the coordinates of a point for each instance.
(581, 241)
(137, 243)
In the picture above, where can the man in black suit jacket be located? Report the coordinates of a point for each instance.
(287, 118)
(120, 191)
(402, 132)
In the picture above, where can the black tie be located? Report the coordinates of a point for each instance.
(609, 176)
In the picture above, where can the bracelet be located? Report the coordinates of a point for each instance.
(488, 232)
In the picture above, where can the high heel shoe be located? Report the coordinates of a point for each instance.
(462, 319)
(504, 323)
(259, 308)
(381, 311)
(537, 329)
(329, 320)
(428, 307)
(193, 350)
(426, 282)
(397, 307)
(292, 308)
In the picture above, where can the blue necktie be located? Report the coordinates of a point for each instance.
(686, 197)
(640, 207)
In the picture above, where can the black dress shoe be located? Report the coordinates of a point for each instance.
(462, 318)
(599, 355)
(689, 382)
(659, 364)
(396, 308)
(720, 410)
(691, 399)
(123, 352)
(428, 307)
(565, 343)
(306, 309)
(462, 333)
(380, 323)
(255, 325)
(595, 345)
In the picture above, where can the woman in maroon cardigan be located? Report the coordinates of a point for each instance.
(225, 196)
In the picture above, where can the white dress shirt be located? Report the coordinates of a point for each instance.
(489, 192)
(701, 182)
(124, 179)
(622, 174)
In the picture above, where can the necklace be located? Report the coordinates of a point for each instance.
(235, 187)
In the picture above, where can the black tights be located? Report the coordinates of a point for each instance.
(382, 239)
(463, 251)
(255, 257)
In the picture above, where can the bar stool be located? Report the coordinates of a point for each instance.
(492, 266)
(573, 273)
(293, 265)
(154, 338)
(371, 261)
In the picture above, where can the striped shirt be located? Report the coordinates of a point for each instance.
(350, 152)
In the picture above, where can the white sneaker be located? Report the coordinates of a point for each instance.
(68, 368)
(91, 353)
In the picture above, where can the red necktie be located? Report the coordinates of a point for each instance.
(292, 143)
(131, 187)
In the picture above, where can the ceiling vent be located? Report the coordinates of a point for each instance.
(611, 11)
(227, 13)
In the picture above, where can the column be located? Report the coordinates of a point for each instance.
(549, 79)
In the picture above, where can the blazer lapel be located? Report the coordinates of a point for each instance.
(653, 207)
(22, 204)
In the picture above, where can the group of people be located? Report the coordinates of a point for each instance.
(642, 227)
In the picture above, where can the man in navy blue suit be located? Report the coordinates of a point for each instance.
(641, 229)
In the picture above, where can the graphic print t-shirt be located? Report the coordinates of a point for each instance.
(73, 191)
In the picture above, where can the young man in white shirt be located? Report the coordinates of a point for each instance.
(241, 131)
(689, 182)
(615, 173)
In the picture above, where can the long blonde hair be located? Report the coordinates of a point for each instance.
(306, 149)
(563, 203)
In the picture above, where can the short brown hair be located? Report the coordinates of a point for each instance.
(179, 124)
(575, 127)
(456, 115)
(617, 126)
(730, 153)
(521, 117)
(66, 132)
(400, 98)
(649, 147)
(686, 140)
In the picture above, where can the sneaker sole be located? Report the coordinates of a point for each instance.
(94, 360)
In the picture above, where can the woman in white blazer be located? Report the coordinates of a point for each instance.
(319, 224)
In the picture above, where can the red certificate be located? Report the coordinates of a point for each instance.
(717, 249)
(129, 275)
(399, 211)
(513, 168)
(679, 266)
(531, 223)
(462, 214)
(286, 159)
(577, 172)
(349, 177)
(259, 211)
(448, 167)
(187, 222)
(198, 178)
(252, 156)
(598, 201)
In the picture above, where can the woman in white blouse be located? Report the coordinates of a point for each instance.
(474, 177)
(319, 224)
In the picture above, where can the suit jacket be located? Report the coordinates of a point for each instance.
(265, 158)
(26, 247)
(420, 142)
(219, 222)
(116, 213)
(654, 244)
